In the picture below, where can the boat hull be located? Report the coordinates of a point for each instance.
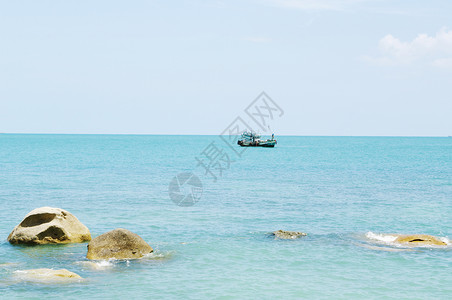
(267, 144)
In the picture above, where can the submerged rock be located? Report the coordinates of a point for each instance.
(49, 225)
(288, 235)
(118, 244)
(47, 275)
(413, 240)
(419, 240)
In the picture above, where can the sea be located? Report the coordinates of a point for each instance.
(349, 194)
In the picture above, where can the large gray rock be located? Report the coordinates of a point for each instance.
(288, 235)
(49, 225)
(118, 244)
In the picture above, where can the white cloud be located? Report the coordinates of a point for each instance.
(424, 49)
(445, 63)
(316, 4)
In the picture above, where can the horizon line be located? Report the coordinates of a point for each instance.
(174, 134)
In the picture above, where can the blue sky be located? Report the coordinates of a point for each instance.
(345, 67)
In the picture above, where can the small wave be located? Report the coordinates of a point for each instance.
(8, 265)
(103, 265)
(97, 265)
(158, 255)
(386, 238)
(382, 248)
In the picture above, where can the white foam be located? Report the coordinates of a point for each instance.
(386, 238)
(154, 255)
(445, 240)
(97, 265)
(158, 255)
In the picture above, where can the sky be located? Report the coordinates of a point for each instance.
(336, 68)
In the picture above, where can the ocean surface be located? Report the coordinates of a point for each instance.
(347, 193)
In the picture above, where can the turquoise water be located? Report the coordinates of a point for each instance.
(337, 189)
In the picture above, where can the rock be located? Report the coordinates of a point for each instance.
(49, 225)
(119, 244)
(419, 240)
(47, 275)
(288, 235)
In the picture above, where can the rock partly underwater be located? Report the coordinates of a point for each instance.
(49, 225)
(118, 244)
(288, 235)
(46, 276)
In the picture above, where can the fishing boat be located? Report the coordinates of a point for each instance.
(252, 139)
